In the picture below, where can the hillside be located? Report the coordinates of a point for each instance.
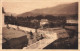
(63, 9)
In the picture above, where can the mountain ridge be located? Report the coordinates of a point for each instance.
(62, 9)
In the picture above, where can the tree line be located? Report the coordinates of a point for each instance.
(34, 22)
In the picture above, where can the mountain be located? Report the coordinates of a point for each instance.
(63, 9)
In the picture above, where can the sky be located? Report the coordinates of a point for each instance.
(19, 6)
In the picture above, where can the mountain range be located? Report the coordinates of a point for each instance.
(62, 9)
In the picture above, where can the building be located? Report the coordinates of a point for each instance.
(43, 22)
(73, 21)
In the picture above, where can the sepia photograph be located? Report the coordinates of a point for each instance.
(40, 25)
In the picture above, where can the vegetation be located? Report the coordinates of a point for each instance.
(34, 22)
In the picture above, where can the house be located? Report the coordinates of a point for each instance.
(43, 22)
(72, 21)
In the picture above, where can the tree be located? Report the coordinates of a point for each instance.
(49, 17)
(39, 17)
